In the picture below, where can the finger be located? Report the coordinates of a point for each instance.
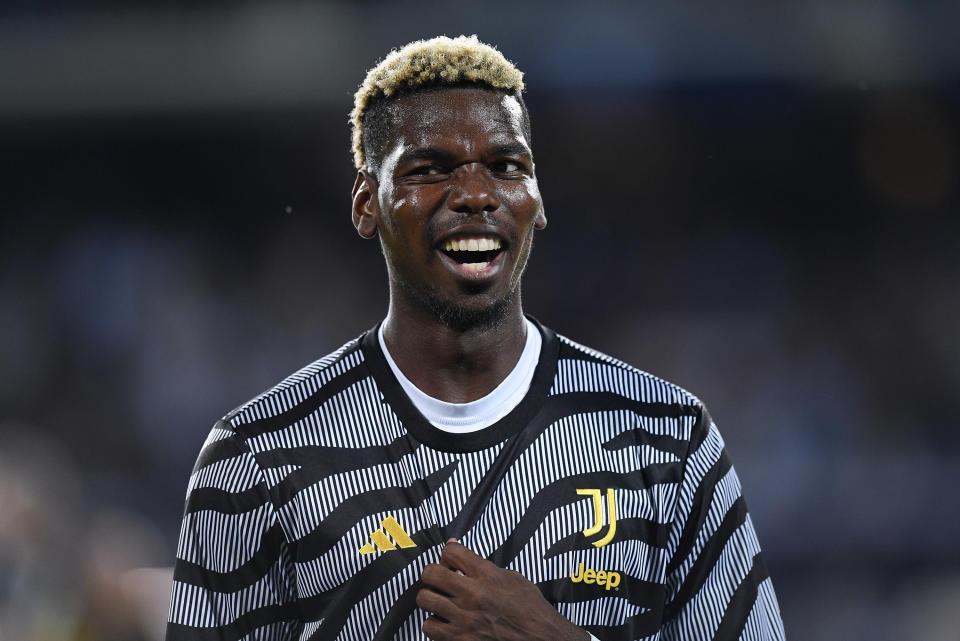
(453, 540)
(436, 603)
(457, 556)
(437, 630)
(443, 579)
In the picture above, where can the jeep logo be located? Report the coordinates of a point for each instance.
(606, 579)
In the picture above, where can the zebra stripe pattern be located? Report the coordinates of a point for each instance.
(290, 486)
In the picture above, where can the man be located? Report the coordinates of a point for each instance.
(460, 471)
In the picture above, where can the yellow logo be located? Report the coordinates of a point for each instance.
(598, 515)
(601, 577)
(383, 543)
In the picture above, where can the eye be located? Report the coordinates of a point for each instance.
(510, 167)
(426, 170)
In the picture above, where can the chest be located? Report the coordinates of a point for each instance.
(586, 524)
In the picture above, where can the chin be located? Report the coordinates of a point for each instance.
(464, 318)
(477, 313)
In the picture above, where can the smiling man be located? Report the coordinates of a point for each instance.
(460, 471)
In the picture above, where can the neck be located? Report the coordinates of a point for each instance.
(453, 365)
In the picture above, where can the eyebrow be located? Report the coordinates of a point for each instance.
(425, 153)
(511, 149)
(432, 153)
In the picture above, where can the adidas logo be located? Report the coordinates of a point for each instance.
(383, 543)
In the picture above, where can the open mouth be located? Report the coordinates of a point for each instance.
(474, 253)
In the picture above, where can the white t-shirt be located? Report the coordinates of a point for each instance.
(461, 418)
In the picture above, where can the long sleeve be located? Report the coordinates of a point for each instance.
(718, 587)
(233, 576)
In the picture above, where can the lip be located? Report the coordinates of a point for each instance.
(473, 230)
(487, 273)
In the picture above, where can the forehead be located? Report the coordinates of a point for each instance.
(457, 118)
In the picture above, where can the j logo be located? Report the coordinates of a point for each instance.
(598, 513)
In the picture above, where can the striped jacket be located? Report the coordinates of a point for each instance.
(313, 508)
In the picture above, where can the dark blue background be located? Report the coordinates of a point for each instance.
(760, 205)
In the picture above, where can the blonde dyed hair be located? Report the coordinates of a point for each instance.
(430, 63)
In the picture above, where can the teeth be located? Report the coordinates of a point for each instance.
(471, 244)
(475, 267)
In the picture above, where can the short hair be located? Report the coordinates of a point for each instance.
(421, 66)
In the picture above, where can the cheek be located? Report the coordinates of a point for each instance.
(410, 202)
(409, 215)
(523, 199)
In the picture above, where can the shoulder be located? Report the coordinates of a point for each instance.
(593, 384)
(260, 438)
(583, 369)
(337, 369)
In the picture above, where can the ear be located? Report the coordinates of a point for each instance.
(541, 220)
(366, 207)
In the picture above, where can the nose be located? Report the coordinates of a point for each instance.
(473, 190)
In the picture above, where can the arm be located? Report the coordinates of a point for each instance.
(233, 574)
(717, 583)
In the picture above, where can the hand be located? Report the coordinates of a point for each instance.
(471, 599)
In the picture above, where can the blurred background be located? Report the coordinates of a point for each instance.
(759, 203)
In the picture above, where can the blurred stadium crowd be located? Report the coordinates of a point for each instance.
(762, 207)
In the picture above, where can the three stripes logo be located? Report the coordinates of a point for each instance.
(598, 515)
(383, 543)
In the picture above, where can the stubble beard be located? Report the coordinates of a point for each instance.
(461, 317)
